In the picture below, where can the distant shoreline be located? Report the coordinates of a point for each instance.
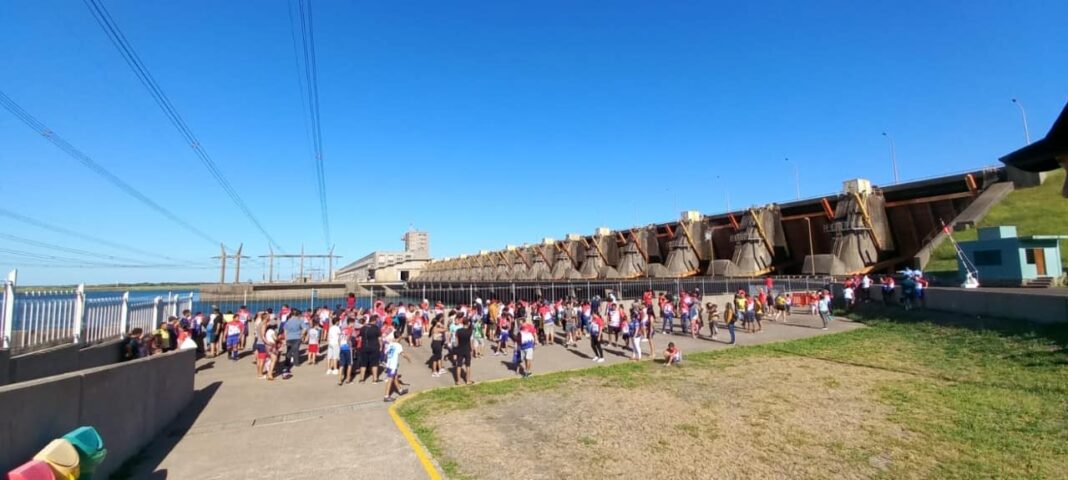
(133, 287)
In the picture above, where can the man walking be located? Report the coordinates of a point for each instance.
(294, 328)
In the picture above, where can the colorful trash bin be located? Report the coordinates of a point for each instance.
(32, 470)
(90, 447)
(62, 457)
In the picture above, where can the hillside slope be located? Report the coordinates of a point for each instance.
(1034, 211)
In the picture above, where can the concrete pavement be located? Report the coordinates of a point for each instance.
(240, 426)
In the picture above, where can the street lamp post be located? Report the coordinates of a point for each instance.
(1023, 115)
(893, 155)
(797, 178)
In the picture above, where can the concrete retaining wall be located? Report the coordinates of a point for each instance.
(56, 360)
(128, 403)
(1035, 307)
(43, 363)
(99, 355)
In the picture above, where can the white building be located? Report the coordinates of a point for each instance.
(390, 266)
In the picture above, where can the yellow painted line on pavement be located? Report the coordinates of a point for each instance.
(420, 451)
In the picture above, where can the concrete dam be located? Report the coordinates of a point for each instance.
(863, 229)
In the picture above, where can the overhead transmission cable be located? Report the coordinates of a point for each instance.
(311, 79)
(82, 263)
(72, 151)
(111, 29)
(76, 251)
(82, 236)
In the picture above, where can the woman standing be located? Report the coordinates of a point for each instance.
(270, 340)
(437, 341)
(730, 317)
(596, 327)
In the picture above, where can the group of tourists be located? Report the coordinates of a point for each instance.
(367, 344)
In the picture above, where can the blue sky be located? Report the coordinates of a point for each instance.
(494, 123)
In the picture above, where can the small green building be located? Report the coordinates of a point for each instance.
(1002, 258)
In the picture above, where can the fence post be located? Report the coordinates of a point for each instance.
(8, 318)
(124, 314)
(157, 313)
(189, 306)
(79, 313)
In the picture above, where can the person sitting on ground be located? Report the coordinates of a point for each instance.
(673, 355)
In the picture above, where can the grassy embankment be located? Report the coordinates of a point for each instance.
(915, 395)
(1034, 211)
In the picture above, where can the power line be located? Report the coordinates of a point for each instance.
(111, 29)
(70, 150)
(75, 262)
(82, 236)
(311, 79)
(76, 251)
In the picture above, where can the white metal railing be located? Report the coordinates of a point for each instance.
(144, 314)
(37, 319)
(45, 317)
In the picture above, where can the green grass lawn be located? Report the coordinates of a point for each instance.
(1034, 211)
(975, 398)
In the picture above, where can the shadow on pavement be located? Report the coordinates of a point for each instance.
(143, 465)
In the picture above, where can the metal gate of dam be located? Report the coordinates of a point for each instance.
(863, 229)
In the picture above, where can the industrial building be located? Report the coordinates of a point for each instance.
(1003, 258)
(390, 266)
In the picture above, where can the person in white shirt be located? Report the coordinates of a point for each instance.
(865, 288)
(394, 351)
(333, 348)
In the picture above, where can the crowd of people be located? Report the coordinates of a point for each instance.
(367, 344)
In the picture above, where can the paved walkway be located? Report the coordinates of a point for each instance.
(242, 427)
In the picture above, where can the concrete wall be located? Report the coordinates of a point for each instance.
(43, 363)
(56, 360)
(5, 362)
(128, 403)
(1035, 307)
(105, 353)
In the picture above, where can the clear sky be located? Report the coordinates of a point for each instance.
(493, 123)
